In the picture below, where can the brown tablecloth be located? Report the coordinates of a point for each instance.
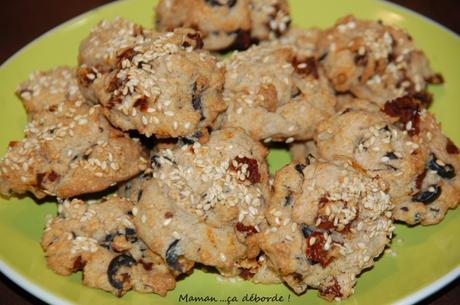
(23, 20)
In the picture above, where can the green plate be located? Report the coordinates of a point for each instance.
(426, 259)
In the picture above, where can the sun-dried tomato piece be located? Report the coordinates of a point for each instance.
(419, 180)
(249, 230)
(332, 291)
(53, 176)
(406, 109)
(315, 251)
(252, 173)
(13, 143)
(246, 274)
(141, 103)
(451, 148)
(306, 67)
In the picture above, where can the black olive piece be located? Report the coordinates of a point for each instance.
(288, 200)
(323, 56)
(115, 264)
(172, 256)
(147, 176)
(446, 171)
(391, 155)
(228, 3)
(139, 195)
(242, 40)
(107, 243)
(198, 134)
(306, 230)
(127, 187)
(130, 235)
(428, 196)
(361, 142)
(130, 231)
(386, 128)
(186, 141)
(299, 167)
(154, 160)
(309, 159)
(389, 166)
(196, 101)
(170, 160)
(296, 93)
(108, 238)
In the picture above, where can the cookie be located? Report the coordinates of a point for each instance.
(205, 202)
(403, 144)
(99, 239)
(374, 61)
(437, 187)
(45, 90)
(98, 51)
(226, 24)
(166, 87)
(270, 19)
(275, 95)
(328, 222)
(69, 149)
(376, 144)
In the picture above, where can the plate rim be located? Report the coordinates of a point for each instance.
(52, 298)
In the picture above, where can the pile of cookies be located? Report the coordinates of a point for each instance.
(178, 135)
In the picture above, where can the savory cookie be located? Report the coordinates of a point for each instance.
(404, 145)
(165, 87)
(99, 239)
(437, 187)
(376, 144)
(205, 202)
(226, 24)
(69, 147)
(270, 19)
(328, 221)
(98, 51)
(275, 95)
(375, 61)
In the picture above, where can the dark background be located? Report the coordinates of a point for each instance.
(21, 21)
